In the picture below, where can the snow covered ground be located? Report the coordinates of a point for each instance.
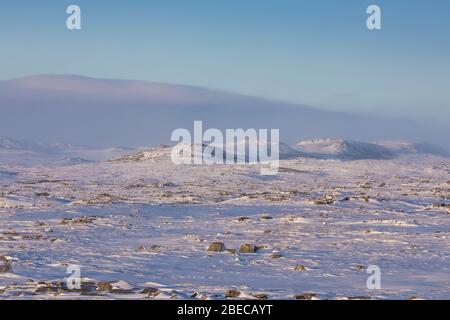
(140, 227)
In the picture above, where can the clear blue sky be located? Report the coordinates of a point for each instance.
(315, 52)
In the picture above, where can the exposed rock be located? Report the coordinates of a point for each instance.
(81, 220)
(232, 251)
(359, 298)
(299, 267)
(232, 294)
(54, 288)
(104, 286)
(167, 184)
(305, 296)
(247, 248)
(359, 267)
(151, 292)
(260, 296)
(102, 198)
(153, 248)
(5, 264)
(216, 247)
(42, 194)
(328, 199)
(415, 298)
(199, 296)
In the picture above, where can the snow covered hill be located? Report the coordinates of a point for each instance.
(407, 147)
(38, 152)
(354, 150)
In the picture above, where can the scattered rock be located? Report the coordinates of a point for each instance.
(199, 296)
(54, 288)
(153, 248)
(5, 264)
(359, 267)
(276, 198)
(328, 199)
(151, 292)
(443, 206)
(366, 185)
(87, 288)
(260, 296)
(232, 294)
(121, 291)
(102, 198)
(305, 296)
(299, 267)
(81, 220)
(247, 248)
(232, 251)
(167, 184)
(104, 286)
(42, 194)
(360, 298)
(276, 256)
(216, 247)
(415, 298)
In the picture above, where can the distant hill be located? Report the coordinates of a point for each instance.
(317, 148)
(36, 152)
(354, 150)
(103, 113)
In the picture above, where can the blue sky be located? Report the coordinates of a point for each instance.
(317, 52)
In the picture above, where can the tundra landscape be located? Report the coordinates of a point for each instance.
(140, 227)
(81, 218)
(93, 207)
